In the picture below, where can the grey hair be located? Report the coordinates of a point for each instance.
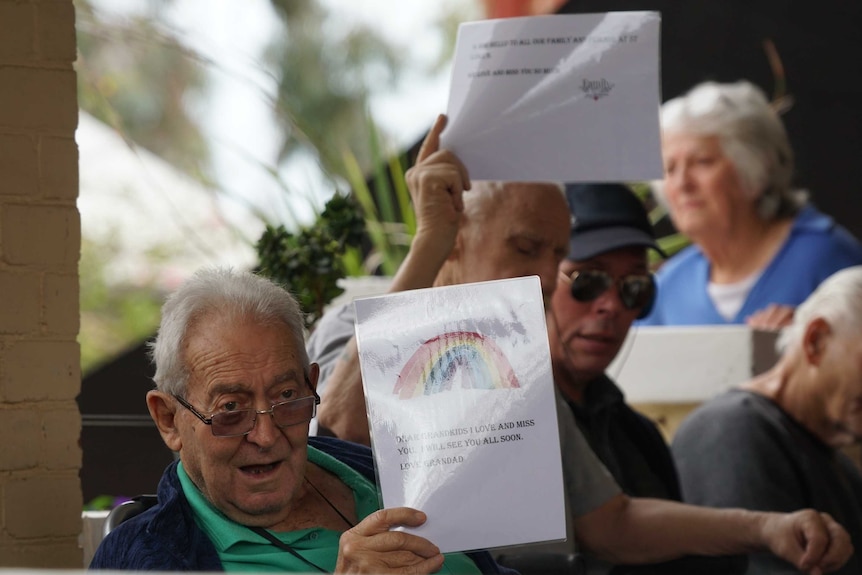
(485, 195)
(218, 291)
(751, 135)
(838, 300)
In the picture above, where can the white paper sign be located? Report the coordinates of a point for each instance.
(567, 97)
(461, 408)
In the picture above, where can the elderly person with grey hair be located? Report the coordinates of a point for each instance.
(759, 247)
(774, 443)
(251, 491)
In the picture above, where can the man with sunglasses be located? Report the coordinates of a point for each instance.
(603, 286)
(251, 492)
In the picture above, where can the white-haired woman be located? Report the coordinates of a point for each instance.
(758, 247)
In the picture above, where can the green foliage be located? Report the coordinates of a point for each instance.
(671, 243)
(310, 262)
(385, 205)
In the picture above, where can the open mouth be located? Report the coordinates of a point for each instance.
(259, 469)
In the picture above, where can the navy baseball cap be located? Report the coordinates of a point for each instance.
(606, 217)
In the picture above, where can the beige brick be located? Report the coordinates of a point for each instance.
(50, 555)
(20, 313)
(19, 165)
(61, 304)
(62, 431)
(29, 98)
(21, 433)
(56, 32)
(41, 370)
(17, 37)
(58, 168)
(44, 506)
(46, 235)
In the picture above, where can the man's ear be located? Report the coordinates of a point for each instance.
(313, 375)
(815, 339)
(163, 410)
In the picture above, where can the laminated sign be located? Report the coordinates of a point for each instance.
(565, 97)
(461, 408)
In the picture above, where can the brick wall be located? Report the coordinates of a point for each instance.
(40, 493)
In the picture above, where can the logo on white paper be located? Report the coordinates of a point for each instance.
(596, 89)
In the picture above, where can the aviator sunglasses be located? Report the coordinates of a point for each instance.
(636, 291)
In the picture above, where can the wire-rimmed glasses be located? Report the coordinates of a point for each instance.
(241, 421)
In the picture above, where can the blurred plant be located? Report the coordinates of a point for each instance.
(310, 261)
(671, 242)
(366, 233)
(391, 224)
(137, 76)
(325, 75)
(140, 74)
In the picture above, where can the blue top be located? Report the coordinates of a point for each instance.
(816, 248)
(167, 538)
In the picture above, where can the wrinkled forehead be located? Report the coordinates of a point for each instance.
(536, 210)
(518, 208)
(245, 336)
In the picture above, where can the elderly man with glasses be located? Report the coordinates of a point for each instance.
(251, 492)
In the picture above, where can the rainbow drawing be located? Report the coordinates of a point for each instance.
(431, 369)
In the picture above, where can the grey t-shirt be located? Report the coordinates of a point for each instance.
(328, 340)
(742, 450)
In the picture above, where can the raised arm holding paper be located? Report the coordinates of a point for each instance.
(498, 231)
(465, 233)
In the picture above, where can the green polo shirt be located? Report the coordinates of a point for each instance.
(241, 549)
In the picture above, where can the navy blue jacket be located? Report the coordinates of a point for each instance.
(166, 537)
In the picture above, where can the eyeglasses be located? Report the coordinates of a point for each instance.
(636, 291)
(241, 421)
